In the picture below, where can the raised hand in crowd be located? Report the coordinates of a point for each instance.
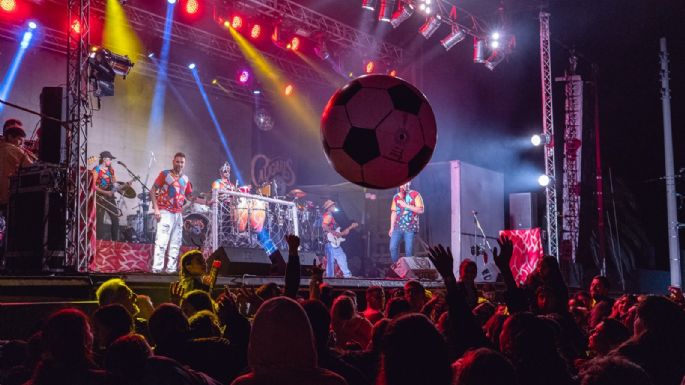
(248, 301)
(443, 261)
(316, 280)
(292, 269)
(503, 258)
(176, 292)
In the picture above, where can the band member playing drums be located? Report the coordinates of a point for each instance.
(105, 180)
(224, 183)
(170, 192)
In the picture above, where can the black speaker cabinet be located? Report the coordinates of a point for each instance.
(280, 259)
(240, 261)
(522, 211)
(36, 231)
(51, 130)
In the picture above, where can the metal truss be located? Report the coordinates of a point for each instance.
(334, 30)
(78, 248)
(573, 106)
(548, 129)
(144, 22)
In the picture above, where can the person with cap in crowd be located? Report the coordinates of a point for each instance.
(12, 157)
(105, 183)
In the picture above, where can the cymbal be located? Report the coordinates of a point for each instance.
(297, 193)
(126, 190)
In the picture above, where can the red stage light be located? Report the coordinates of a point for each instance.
(237, 22)
(393, 73)
(288, 90)
(76, 26)
(370, 66)
(192, 6)
(244, 76)
(8, 5)
(256, 31)
(294, 44)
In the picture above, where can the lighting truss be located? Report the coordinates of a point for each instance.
(337, 32)
(222, 47)
(548, 129)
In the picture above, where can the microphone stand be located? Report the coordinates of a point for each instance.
(480, 228)
(144, 201)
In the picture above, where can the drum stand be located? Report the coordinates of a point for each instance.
(144, 198)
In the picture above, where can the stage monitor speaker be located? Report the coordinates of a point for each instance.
(523, 211)
(241, 260)
(415, 268)
(280, 259)
(51, 130)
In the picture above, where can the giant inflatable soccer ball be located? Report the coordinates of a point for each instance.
(378, 131)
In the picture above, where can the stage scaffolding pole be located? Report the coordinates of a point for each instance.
(673, 226)
(548, 130)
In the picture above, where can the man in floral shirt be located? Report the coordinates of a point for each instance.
(170, 192)
(406, 207)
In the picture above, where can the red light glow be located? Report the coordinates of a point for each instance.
(8, 5)
(244, 76)
(76, 26)
(192, 6)
(294, 44)
(237, 22)
(256, 31)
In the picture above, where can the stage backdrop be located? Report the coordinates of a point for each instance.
(453, 191)
(122, 125)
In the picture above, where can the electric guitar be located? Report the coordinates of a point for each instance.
(336, 241)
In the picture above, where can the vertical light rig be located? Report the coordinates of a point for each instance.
(548, 129)
(76, 188)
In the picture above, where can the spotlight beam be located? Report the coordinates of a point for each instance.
(217, 126)
(11, 74)
(156, 119)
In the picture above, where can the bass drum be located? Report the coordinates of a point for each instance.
(195, 228)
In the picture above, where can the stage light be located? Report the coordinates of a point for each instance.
(288, 90)
(172, 1)
(214, 81)
(393, 73)
(370, 66)
(243, 76)
(227, 24)
(256, 92)
(191, 66)
(256, 31)
(236, 22)
(26, 39)
(192, 6)
(76, 26)
(453, 38)
(539, 139)
(104, 66)
(369, 5)
(544, 180)
(321, 51)
(32, 25)
(478, 50)
(494, 44)
(400, 16)
(430, 26)
(495, 36)
(494, 59)
(8, 5)
(294, 44)
(151, 55)
(386, 10)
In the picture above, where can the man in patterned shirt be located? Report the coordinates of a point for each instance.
(406, 207)
(168, 195)
(105, 180)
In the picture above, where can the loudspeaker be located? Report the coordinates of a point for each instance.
(50, 130)
(415, 267)
(36, 231)
(240, 261)
(279, 258)
(523, 211)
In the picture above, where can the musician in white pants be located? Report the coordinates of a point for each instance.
(170, 192)
(334, 252)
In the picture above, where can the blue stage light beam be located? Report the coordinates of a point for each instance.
(179, 97)
(156, 120)
(217, 126)
(11, 74)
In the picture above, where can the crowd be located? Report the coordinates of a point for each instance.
(538, 335)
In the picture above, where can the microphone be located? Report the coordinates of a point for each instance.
(121, 163)
(213, 274)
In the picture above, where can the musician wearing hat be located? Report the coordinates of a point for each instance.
(12, 157)
(333, 249)
(105, 182)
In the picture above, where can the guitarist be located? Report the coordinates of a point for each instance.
(406, 207)
(334, 252)
(105, 180)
